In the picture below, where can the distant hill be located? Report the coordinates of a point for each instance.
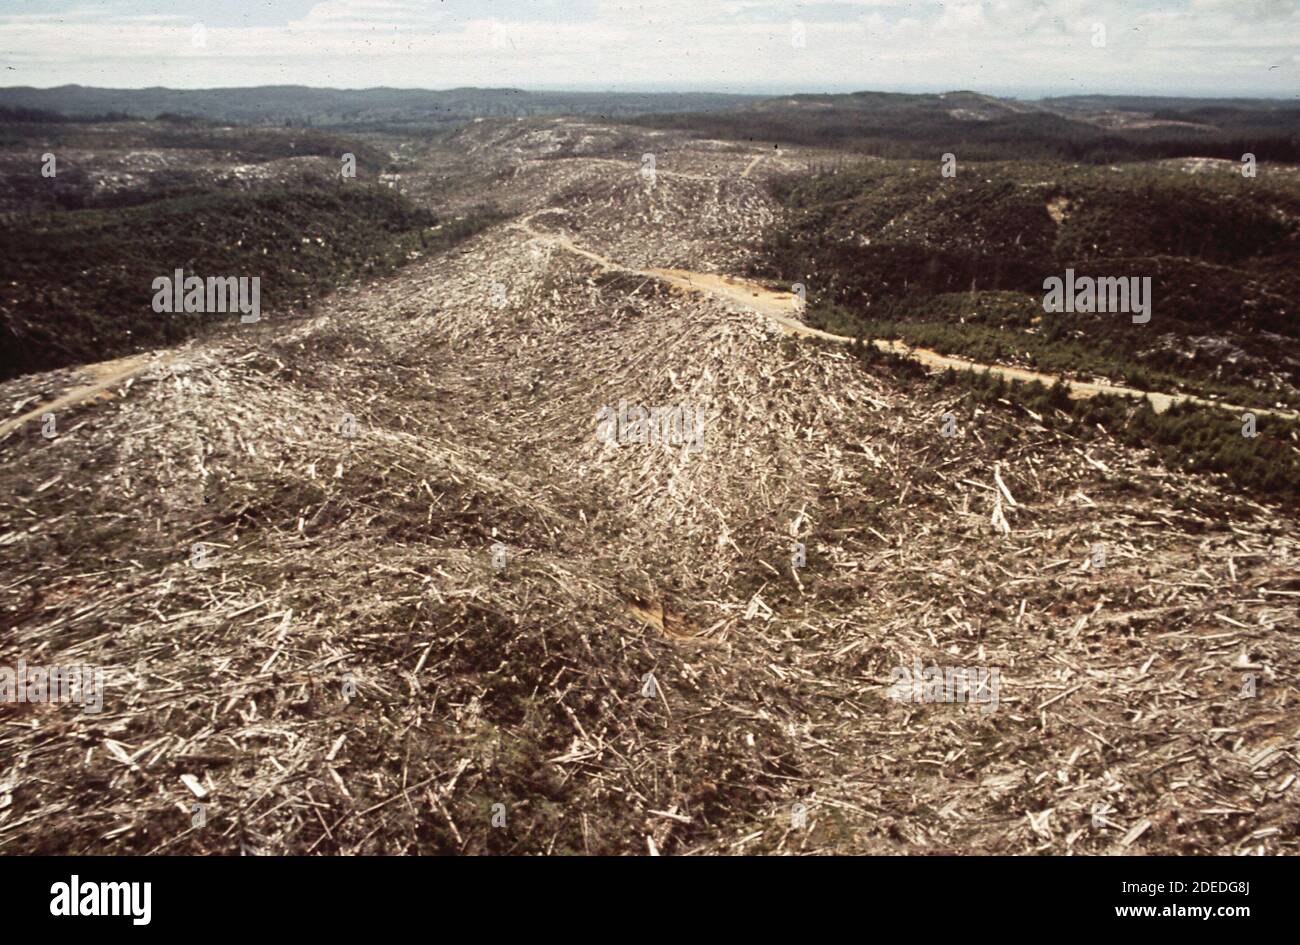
(1160, 102)
(352, 107)
(1094, 129)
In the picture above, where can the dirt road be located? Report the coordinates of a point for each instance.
(783, 308)
(779, 306)
(103, 375)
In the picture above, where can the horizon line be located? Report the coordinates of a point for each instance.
(749, 92)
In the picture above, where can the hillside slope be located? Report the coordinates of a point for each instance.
(640, 666)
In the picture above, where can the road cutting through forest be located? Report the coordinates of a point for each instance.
(102, 376)
(783, 309)
(779, 306)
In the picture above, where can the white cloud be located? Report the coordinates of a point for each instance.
(998, 45)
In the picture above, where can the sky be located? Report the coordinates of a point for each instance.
(1004, 47)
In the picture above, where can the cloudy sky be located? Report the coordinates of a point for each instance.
(1025, 47)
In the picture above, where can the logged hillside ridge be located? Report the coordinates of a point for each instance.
(465, 623)
(895, 250)
(82, 246)
(81, 287)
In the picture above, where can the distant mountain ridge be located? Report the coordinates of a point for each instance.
(382, 105)
(326, 107)
(1093, 128)
(1096, 129)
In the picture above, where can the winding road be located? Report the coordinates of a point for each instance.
(783, 309)
(780, 307)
